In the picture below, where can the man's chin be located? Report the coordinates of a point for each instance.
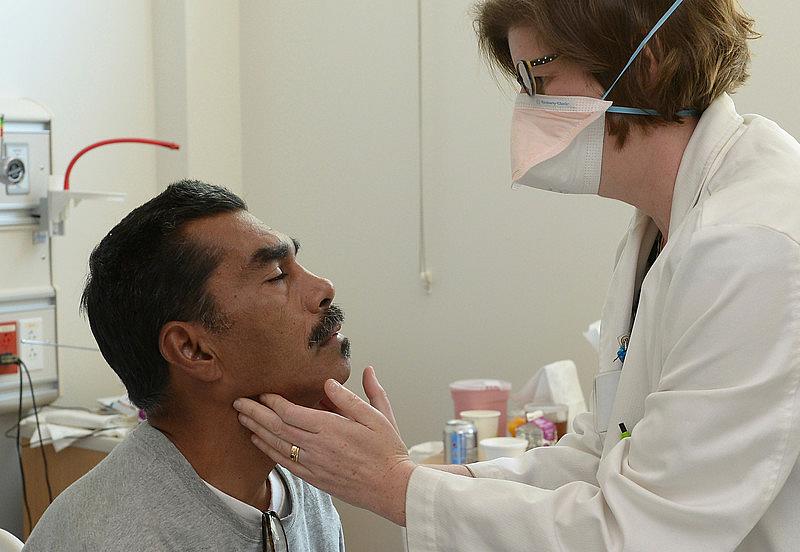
(342, 372)
(346, 375)
(342, 375)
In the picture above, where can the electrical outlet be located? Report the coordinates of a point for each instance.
(8, 344)
(31, 355)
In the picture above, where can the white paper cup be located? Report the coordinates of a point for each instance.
(501, 447)
(485, 421)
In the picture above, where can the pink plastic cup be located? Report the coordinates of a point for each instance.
(482, 394)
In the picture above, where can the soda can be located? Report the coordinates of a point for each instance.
(460, 442)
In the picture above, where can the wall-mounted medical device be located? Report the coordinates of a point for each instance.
(29, 193)
(27, 294)
(34, 205)
(12, 165)
(24, 161)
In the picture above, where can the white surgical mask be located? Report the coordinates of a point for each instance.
(557, 141)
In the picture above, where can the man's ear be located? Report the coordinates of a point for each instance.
(186, 346)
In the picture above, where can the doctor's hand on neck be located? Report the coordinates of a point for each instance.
(353, 452)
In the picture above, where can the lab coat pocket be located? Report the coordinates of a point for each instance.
(605, 392)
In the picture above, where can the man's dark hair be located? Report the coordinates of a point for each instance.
(147, 272)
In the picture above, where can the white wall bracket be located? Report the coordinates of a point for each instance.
(54, 209)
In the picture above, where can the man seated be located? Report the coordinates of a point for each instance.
(195, 302)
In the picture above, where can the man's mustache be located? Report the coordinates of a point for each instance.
(331, 318)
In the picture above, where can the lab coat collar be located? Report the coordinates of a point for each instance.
(628, 273)
(717, 126)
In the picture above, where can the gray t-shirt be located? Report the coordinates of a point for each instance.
(146, 496)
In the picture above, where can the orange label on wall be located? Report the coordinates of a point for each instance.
(8, 344)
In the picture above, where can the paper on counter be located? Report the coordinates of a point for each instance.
(62, 427)
(81, 418)
(62, 437)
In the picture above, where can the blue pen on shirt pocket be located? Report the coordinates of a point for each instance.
(623, 348)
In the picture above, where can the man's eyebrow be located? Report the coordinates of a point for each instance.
(272, 253)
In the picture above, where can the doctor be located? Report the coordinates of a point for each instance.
(700, 344)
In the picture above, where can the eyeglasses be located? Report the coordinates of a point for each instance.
(273, 536)
(525, 76)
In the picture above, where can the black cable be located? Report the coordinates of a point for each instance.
(39, 431)
(19, 454)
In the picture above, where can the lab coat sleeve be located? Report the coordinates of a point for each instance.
(575, 458)
(718, 438)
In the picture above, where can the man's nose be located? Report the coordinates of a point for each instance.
(322, 295)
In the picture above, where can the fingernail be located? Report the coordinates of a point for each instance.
(333, 384)
(237, 404)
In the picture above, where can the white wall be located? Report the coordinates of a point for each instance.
(92, 67)
(197, 90)
(772, 90)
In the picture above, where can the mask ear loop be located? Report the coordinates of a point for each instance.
(653, 31)
(644, 42)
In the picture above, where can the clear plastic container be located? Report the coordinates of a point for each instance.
(532, 434)
(556, 413)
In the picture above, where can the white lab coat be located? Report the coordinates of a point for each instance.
(709, 388)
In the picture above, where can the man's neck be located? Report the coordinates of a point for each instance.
(643, 174)
(220, 451)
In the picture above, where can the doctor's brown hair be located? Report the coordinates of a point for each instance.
(700, 53)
